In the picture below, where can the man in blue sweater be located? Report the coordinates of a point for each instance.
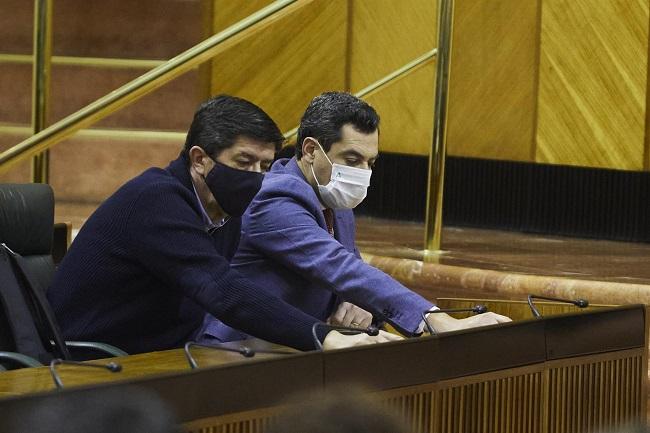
(154, 257)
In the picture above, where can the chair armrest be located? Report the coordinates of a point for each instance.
(18, 358)
(61, 237)
(100, 347)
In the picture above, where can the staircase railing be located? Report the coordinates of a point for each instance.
(134, 90)
(44, 139)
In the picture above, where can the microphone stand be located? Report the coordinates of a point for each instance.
(478, 309)
(580, 303)
(113, 367)
(244, 351)
(370, 330)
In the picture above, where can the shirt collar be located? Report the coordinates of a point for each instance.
(209, 224)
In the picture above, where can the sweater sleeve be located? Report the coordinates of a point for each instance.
(169, 240)
(300, 244)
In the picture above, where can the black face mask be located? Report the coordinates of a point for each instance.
(233, 189)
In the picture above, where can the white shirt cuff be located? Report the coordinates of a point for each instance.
(421, 327)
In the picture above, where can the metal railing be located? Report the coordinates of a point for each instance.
(45, 138)
(41, 72)
(382, 82)
(133, 90)
(436, 177)
(94, 62)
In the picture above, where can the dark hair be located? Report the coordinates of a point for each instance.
(124, 410)
(219, 121)
(328, 112)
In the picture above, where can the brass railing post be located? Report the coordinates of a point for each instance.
(41, 83)
(135, 89)
(436, 178)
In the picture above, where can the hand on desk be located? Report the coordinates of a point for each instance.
(336, 340)
(351, 316)
(443, 322)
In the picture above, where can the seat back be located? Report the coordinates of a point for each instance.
(27, 226)
(27, 323)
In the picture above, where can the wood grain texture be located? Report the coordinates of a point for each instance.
(288, 61)
(406, 110)
(585, 392)
(593, 83)
(228, 12)
(386, 34)
(31, 380)
(492, 89)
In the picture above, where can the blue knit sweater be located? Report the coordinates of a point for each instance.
(143, 271)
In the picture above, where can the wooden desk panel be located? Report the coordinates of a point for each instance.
(492, 348)
(34, 380)
(384, 366)
(493, 379)
(596, 331)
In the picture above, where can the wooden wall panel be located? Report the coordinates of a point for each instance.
(386, 34)
(228, 12)
(289, 61)
(492, 93)
(593, 83)
(406, 110)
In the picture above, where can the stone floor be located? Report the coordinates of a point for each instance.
(511, 251)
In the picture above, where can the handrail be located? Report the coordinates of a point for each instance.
(96, 62)
(107, 133)
(397, 73)
(133, 90)
(177, 135)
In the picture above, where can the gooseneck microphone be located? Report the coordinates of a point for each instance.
(244, 351)
(370, 330)
(113, 367)
(478, 309)
(580, 303)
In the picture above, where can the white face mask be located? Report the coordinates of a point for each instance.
(347, 186)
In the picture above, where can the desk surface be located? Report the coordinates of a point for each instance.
(231, 390)
(389, 365)
(32, 380)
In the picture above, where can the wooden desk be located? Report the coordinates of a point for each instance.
(35, 380)
(567, 373)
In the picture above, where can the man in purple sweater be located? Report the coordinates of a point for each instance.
(298, 234)
(154, 257)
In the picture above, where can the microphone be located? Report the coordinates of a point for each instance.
(580, 303)
(113, 367)
(370, 330)
(244, 351)
(478, 309)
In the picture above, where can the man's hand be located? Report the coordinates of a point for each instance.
(350, 315)
(336, 340)
(443, 322)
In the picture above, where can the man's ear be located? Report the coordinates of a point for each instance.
(308, 148)
(197, 160)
